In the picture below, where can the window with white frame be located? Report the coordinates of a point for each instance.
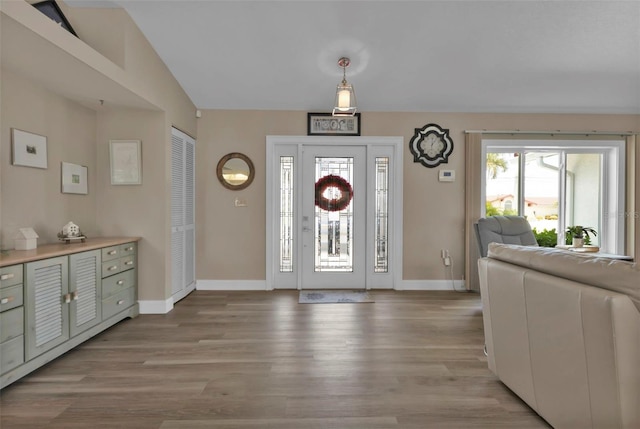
(556, 184)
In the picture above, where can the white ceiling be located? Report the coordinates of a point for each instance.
(445, 56)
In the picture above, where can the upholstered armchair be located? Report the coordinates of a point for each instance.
(503, 229)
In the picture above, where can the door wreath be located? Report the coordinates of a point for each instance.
(333, 204)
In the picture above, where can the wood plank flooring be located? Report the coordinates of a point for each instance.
(240, 360)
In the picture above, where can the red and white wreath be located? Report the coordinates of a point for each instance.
(339, 203)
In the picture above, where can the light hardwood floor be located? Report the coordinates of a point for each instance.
(411, 360)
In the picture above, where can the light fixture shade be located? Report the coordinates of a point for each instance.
(345, 104)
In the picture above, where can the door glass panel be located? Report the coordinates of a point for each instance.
(381, 263)
(333, 226)
(286, 214)
(502, 190)
(542, 190)
(583, 202)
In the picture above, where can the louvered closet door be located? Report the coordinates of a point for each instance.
(182, 214)
(85, 287)
(47, 313)
(189, 214)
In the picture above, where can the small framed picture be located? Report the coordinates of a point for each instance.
(52, 10)
(325, 124)
(126, 162)
(28, 149)
(74, 179)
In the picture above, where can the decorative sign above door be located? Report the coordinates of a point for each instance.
(431, 145)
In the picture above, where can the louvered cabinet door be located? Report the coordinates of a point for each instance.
(47, 312)
(85, 282)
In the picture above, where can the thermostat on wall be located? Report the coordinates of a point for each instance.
(447, 175)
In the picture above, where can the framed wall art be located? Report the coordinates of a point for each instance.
(28, 149)
(325, 124)
(126, 162)
(74, 179)
(51, 9)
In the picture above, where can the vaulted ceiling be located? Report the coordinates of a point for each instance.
(445, 56)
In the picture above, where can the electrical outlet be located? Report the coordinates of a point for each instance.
(446, 259)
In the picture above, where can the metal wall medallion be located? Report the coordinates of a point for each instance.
(431, 145)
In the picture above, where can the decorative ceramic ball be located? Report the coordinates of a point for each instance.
(71, 230)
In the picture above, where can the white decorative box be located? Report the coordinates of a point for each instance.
(26, 239)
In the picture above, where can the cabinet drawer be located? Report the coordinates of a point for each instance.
(110, 268)
(109, 253)
(10, 276)
(11, 324)
(127, 249)
(10, 297)
(118, 302)
(118, 282)
(11, 354)
(127, 262)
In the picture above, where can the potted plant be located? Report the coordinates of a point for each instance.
(578, 235)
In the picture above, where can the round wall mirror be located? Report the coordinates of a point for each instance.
(235, 171)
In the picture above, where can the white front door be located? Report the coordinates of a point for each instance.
(334, 217)
(334, 212)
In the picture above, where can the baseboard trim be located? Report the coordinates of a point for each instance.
(183, 293)
(432, 285)
(231, 285)
(261, 285)
(156, 307)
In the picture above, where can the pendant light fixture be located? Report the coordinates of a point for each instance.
(345, 104)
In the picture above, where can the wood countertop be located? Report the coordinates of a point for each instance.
(12, 257)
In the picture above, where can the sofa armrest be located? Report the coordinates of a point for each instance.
(569, 350)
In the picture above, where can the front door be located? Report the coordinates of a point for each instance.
(334, 217)
(334, 212)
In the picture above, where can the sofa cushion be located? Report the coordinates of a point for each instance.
(611, 274)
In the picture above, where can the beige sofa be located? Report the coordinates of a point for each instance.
(562, 331)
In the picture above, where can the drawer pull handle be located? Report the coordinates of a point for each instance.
(129, 249)
(120, 282)
(6, 300)
(7, 276)
(113, 267)
(120, 302)
(112, 252)
(129, 263)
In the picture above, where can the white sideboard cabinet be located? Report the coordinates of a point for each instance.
(57, 296)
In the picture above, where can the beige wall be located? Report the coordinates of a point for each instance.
(113, 34)
(231, 241)
(81, 135)
(32, 197)
(135, 210)
(143, 210)
(96, 28)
